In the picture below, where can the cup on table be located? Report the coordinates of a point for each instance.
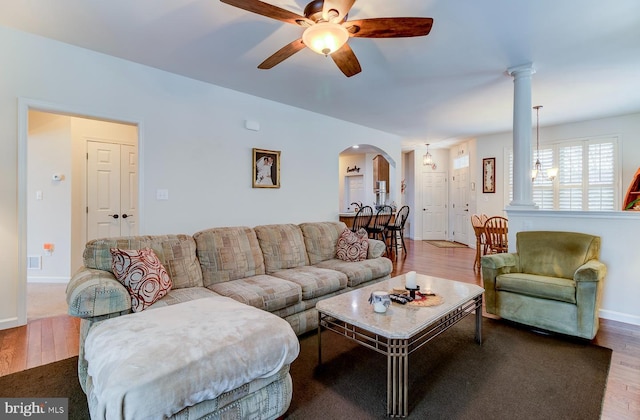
(380, 301)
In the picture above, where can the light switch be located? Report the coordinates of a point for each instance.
(38, 195)
(162, 194)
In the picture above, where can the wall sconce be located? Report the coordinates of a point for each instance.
(427, 159)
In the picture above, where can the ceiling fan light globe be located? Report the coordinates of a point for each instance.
(325, 37)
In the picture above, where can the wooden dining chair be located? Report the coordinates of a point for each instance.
(481, 242)
(496, 234)
(377, 230)
(362, 219)
(396, 229)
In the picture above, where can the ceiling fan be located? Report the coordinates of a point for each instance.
(327, 30)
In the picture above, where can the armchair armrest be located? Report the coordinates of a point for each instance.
(377, 249)
(589, 279)
(92, 293)
(592, 270)
(501, 262)
(494, 265)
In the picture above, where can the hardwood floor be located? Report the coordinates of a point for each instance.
(49, 339)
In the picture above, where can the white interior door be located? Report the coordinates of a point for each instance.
(112, 190)
(460, 206)
(355, 190)
(434, 205)
(128, 190)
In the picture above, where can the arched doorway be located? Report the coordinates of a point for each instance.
(359, 170)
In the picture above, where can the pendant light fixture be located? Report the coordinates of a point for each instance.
(537, 167)
(427, 159)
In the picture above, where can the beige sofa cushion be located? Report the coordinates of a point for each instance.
(320, 239)
(360, 271)
(263, 292)
(152, 364)
(177, 253)
(314, 282)
(282, 246)
(228, 253)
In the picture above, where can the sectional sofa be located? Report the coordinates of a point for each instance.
(281, 269)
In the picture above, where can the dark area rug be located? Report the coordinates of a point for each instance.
(514, 374)
(55, 380)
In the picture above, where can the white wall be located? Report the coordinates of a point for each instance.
(49, 201)
(193, 143)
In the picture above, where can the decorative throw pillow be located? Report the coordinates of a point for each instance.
(142, 273)
(353, 246)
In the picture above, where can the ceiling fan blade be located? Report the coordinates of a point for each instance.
(393, 27)
(346, 61)
(341, 7)
(282, 54)
(269, 10)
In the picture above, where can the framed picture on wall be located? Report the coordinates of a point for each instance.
(489, 175)
(266, 168)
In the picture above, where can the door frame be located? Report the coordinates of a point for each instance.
(24, 105)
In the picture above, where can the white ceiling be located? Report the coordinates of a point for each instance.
(438, 89)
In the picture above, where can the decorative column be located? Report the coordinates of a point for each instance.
(522, 186)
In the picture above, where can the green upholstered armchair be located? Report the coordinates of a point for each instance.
(554, 282)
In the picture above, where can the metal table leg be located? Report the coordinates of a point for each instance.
(319, 338)
(397, 378)
(478, 336)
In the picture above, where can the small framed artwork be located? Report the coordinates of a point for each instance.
(266, 168)
(489, 175)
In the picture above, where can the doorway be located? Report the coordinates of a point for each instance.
(54, 229)
(460, 206)
(434, 206)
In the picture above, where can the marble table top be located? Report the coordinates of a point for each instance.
(399, 321)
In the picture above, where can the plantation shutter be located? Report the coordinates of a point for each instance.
(542, 185)
(587, 175)
(601, 192)
(570, 177)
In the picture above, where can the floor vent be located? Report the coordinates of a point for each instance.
(34, 262)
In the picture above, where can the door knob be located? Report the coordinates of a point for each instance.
(115, 216)
(125, 215)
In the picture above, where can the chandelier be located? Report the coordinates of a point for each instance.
(427, 159)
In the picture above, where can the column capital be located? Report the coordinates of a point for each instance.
(521, 70)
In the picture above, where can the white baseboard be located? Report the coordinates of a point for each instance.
(7, 323)
(620, 317)
(61, 280)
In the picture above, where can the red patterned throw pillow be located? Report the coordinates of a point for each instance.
(142, 273)
(353, 246)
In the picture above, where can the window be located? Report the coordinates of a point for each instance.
(461, 162)
(587, 175)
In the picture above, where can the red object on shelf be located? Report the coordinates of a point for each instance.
(633, 193)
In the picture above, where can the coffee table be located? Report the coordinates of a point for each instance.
(402, 329)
